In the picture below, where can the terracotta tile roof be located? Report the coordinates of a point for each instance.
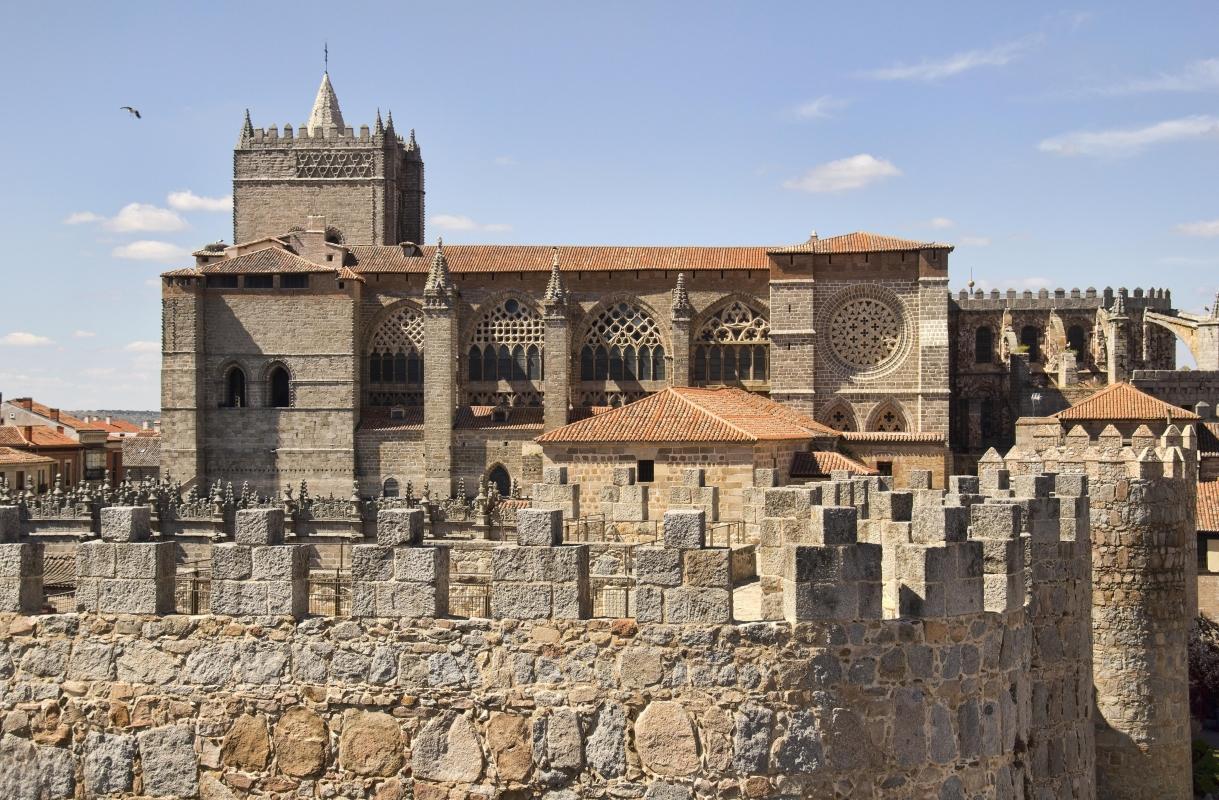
(184, 272)
(915, 437)
(64, 417)
(11, 456)
(142, 451)
(683, 414)
(1123, 402)
(269, 259)
(537, 258)
(584, 412)
(377, 419)
(477, 417)
(860, 242)
(41, 436)
(349, 274)
(1208, 506)
(820, 463)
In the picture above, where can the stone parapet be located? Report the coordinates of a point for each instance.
(21, 577)
(684, 581)
(403, 582)
(125, 577)
(268, 580)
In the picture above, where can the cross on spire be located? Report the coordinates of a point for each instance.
(325, 56)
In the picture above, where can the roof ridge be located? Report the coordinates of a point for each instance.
(750, 436)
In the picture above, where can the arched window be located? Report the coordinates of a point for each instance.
(389, 488)
(499, 477)
(839, 416)
(234, 388)
(624, 344)
(731, 346)
(508, 340)
(1077, 340)
(395, 355)
(984, 345)
(279, 392)
(1030, 338)
(888, 417)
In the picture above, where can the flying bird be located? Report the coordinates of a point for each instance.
(132, 111)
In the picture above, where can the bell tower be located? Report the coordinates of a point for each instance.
(367, 183)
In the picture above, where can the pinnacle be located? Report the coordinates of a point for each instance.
(681, 299)
(325, 108)
(555, 291)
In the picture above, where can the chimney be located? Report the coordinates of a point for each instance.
(25, 402)
(108, 421)
(53, 413)
(27, 433)
(145, 426)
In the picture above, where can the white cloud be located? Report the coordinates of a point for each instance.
(1205, 228)
(145, 217)
(142, 347)
(186, 200)
(975, 241)
(956, 64)
(819, 108)
(98, 372)
(82, 217)
(854, 172)
(940, 223)
(1128, 141)
(24, 339)
(460, 222)
(83, 334)
(1199, 76)
(149, 250)
(505, 161)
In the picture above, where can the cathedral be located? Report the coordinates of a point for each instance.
(331, 344)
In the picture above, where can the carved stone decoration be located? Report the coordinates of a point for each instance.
(865, 331)
(334, 164)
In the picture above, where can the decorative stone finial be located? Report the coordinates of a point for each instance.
(389, 121)
(411, 144)
(1215, 307)
(1119, 304)
(681, 299)
(325, 108)
(247, 127)
(437, 289)
(378, 126)
(556, 293)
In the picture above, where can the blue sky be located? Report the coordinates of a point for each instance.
(1069, 146)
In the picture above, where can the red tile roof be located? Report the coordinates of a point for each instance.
(1122, 402)
(478, 417)
(683, 414)
(820, 463)
(537, 258)
(41, 436)
(1208, 506)
(64, 417)
(9, 455)
(269, 259)
(861, 242)
(378, 419)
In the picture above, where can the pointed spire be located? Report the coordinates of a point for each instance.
(389, 122)
(556, 293)
(325, 108)
(247, 127)
(378, 128)
(681, 299)
(437, 289)
(1215, 307)
(411, 144)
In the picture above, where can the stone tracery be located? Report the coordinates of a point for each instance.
(731, 346)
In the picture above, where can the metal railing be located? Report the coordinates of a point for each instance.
(729, 533)
(193, 587)
(589, 528)
(470, 595)
(330, 594)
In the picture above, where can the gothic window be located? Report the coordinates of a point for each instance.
(234, 388)
(622, 344)
(499, 477)
(731, 346)
(839, 417)
(279, 393)
(389, 488)
(865, 332)
(1077, 340)
(507, 344)
(888, 418)
(1030, 338)
(984, 345)
(395, 356)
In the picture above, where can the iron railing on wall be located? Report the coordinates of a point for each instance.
(470, 595)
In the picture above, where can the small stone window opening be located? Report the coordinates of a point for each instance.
(645, 470)
(234, 388)
(280, 388)
(499, 477)
(1030, 338)
(884, 467)
(1077, 340)
(984, 346)
(259, 281)
(389, 488)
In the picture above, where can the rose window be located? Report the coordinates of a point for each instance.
(865, 333)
